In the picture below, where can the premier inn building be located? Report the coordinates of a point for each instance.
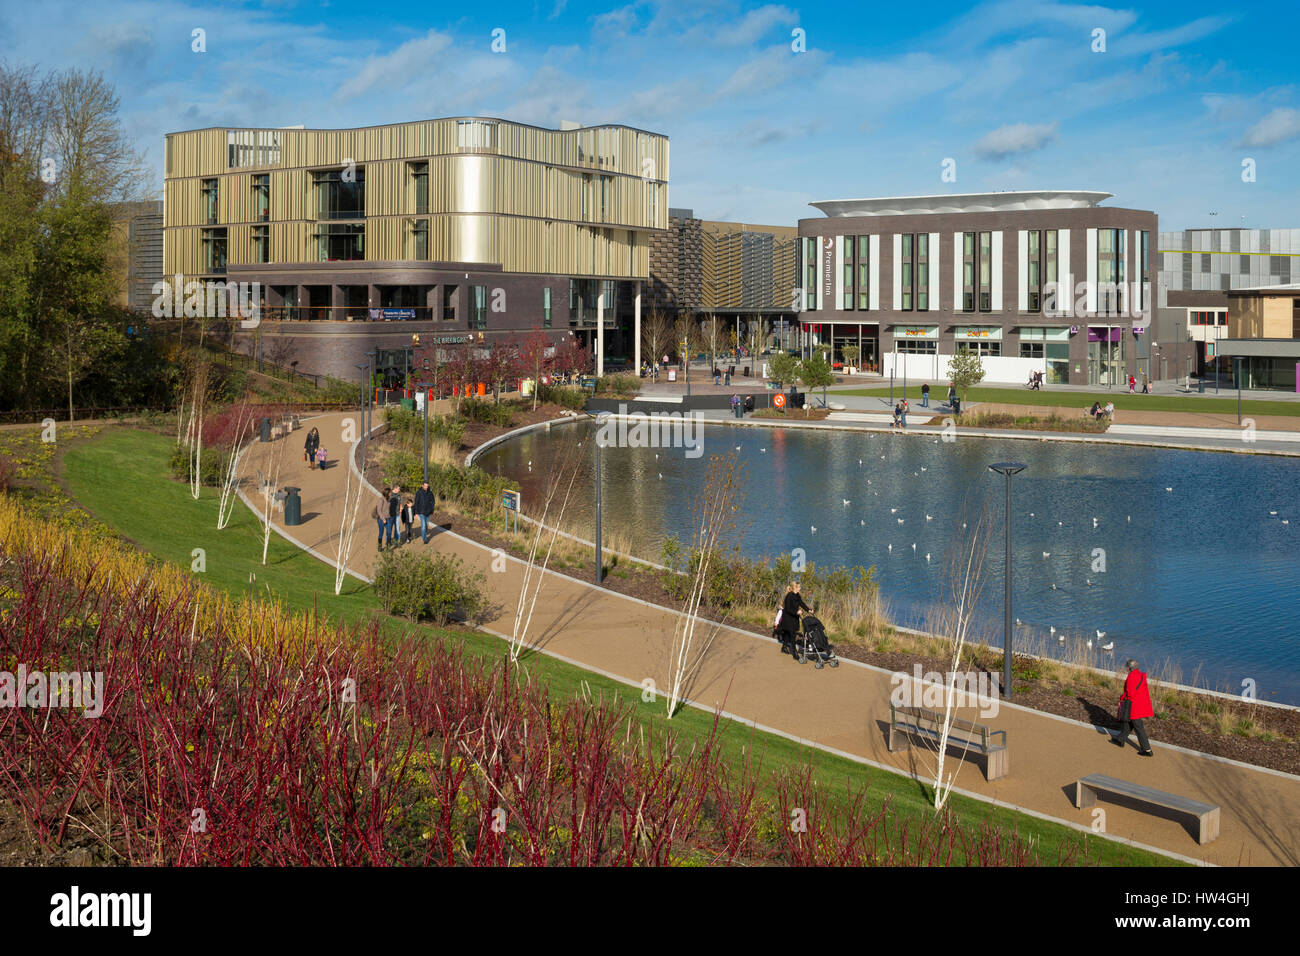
(1048, 281)
(464, 229)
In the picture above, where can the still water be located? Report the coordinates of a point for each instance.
(1198, 573)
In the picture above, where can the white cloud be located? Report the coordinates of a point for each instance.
(1015, 138)
(396, 69)
(1280, 125)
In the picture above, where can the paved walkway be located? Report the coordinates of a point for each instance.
(845, 710)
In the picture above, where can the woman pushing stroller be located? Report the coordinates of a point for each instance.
(787, 618)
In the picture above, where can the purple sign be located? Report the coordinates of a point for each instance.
(1105, 335)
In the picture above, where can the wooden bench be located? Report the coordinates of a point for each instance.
(905, 722)
(1207, 814)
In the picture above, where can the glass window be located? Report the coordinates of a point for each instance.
(909, 265)
(420, 238)
(1109, 271)
(546, 307)
(476, 134)
(214, 250)
(968, 272)
(209, 192)
(914, 346)
(340, 242)
(340, 193)
(986, 272)
(1031, 349)
(449, 300)
(262, 197)
(847, 272)
(923, 271)
(864, 272)
(1035, 271)
(478, 306)
(420, 183)
(261, 244)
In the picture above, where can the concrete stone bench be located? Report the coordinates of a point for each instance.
(1207, 814)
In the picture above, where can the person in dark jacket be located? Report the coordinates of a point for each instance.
(313, 442)
(424, 510)
(925, 394)
(1138, 700)
(394, 508)
(792, 608)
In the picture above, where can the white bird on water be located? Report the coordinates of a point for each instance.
(900, 520)
(893, 511)
(1284, 521)
(1273, 512)
(764, 450)
(923, 467)
(846, 502)
(891, 547)
(1128, 518)
(661, 476)
(1100, 635)
(1019, 622)
(863, 523)
(1052, 629)
(1108, 647)
(859, 462)
(1053, 587)
(1047, 554)
(927, 557)
(929, 517)
(1090, 643)
(814, 528)
(1169, 489)
(913, 545)
(1094, 522)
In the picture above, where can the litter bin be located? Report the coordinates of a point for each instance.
(266, 429)
(408, 404)
(292, 506)
(956, 406)
(728, 380)
(1200, 385)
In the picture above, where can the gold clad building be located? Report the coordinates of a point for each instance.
(465, 228)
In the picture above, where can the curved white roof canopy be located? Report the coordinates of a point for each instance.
(1011, 201)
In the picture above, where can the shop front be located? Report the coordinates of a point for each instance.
(1106, 355)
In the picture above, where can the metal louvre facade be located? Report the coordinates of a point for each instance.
(578, 202)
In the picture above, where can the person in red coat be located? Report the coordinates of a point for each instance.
(1134, 708)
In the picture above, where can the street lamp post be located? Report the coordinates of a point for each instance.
(1007, 469)
(1237, 363)
(600, 557)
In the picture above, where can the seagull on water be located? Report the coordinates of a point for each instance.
(900, 520)
(913, 545)
(1108, 647)
(1019, 622)
(929, 517)
(1047, 554)
(846, 502)
(893, 511)
(1094, 522)
(863, 523)
(1100, 635)
(1053, 629)
(814, 528)
(1090, 643)
(1053, 587)
(927, 557)
(1284, 521)
(1169, 489)
(923, 467)
(1273, 512)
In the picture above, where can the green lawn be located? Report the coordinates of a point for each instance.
(120, 476)
(1122, 399)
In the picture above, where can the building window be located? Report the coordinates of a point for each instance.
(908, 270)
(1295, 318)
(262, 196)
(846, 246)
(986, 272)
(340, 193)
(1144, 280)
(864, 272)
(968, 272)
(261, 244)
(586, 193)
(605, 197)
(810, 272)
(1031, 350)
(1035, 271)
(1051, 269)
(214, 250)
(546, 307)
(340, 242)
(476, 134)
(1110, 265)
(982, 347)
(209, 193)
(923, 271)
(478, 306)
(449, 299)
(420, 239)
(916, 346)
(246, 147)
(420, 183)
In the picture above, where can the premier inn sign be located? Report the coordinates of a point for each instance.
(828, 272)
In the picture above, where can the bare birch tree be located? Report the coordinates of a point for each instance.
(713, 521)
(270, 490)
(230, 468)
(560, 477)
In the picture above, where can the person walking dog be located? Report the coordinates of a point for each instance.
(424, 510)
(1134, 708)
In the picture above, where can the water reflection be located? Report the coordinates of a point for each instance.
(1201, 575)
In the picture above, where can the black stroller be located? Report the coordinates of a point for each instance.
(812, 644)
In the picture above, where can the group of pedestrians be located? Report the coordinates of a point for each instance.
(395, 515)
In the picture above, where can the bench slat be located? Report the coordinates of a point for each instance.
(1148, 794)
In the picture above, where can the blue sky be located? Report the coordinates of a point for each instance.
(1012, 91)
